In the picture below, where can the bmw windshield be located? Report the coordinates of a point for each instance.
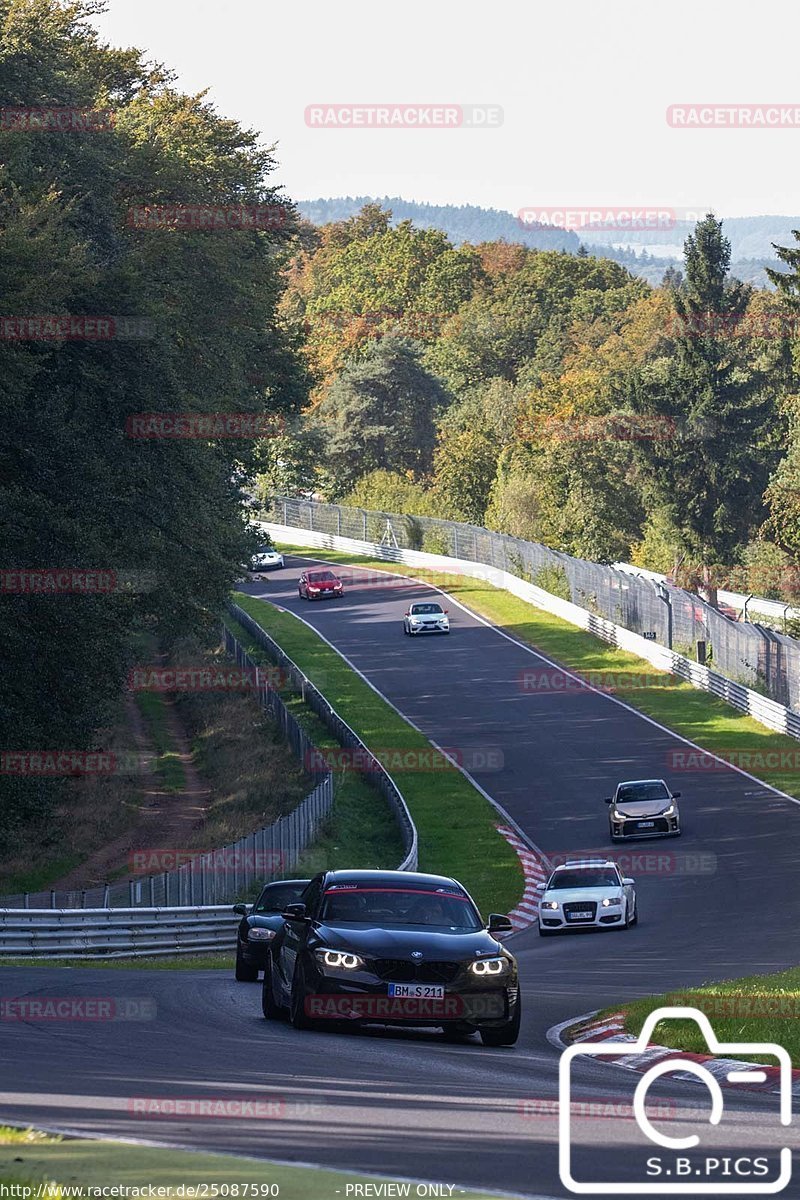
(382, 906)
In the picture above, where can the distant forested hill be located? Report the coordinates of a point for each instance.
(751, 238)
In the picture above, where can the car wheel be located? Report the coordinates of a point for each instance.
(635, 918)
(507, 1034)
(244, 973)
(269, 1006)
(300, 593)
(297, 1001)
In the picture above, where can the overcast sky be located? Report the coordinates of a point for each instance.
(584, 88)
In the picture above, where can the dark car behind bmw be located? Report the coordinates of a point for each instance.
(393, 947)
(259, 925)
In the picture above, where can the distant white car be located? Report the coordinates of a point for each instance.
(425, 617)
(266, 559)
(643, 808)
(587, 893)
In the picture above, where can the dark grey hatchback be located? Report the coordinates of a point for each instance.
(259, 925)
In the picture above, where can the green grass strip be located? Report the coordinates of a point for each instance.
(83, 1164)
(758, 1008)
(168, 763)
(704, 719)
(455, 823)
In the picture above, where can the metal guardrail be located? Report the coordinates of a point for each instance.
(116, 932)
(374, 771)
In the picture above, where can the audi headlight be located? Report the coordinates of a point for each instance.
(257, 934)
(339, 960)
(551, 904)
(489, 966)
(611, 902)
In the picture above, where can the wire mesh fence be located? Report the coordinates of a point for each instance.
(750, 654)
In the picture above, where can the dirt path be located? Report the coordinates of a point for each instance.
(164, 820)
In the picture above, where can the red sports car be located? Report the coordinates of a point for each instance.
(319, 585)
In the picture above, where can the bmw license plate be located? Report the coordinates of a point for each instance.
(417, 991)
(580, 916)
(646, 824)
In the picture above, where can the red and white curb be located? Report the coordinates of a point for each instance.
(612, 1028)
(536, 871)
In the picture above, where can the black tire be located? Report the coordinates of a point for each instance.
(635, 918)
(244, 973)
(297, 1012)
(504, 1035)
(269, 1006)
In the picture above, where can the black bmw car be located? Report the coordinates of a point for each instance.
(392, 948)
(259, 925)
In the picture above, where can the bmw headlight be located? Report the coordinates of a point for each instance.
(550, 904)
(489, 966)
(339, 960)
(257, 934)
(611, 902)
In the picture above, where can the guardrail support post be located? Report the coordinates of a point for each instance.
(131, 895)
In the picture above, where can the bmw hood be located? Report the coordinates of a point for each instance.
(434, 945)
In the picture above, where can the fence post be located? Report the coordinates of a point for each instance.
(131, 903)
(52, 898)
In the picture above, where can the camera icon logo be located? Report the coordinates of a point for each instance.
(692, 1184)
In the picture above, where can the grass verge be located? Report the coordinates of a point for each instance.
(177, 962)
(758, 1008)
(456, 824)
(695, 715)
(78, 1163)
(361, 830)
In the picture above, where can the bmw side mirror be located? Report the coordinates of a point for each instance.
(499, 923)
(628, 882)
(241, 909)
(294, 912)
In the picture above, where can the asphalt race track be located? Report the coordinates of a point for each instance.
(724, 901)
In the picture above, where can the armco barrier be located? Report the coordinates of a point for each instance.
(116, 932)
(768, 712)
